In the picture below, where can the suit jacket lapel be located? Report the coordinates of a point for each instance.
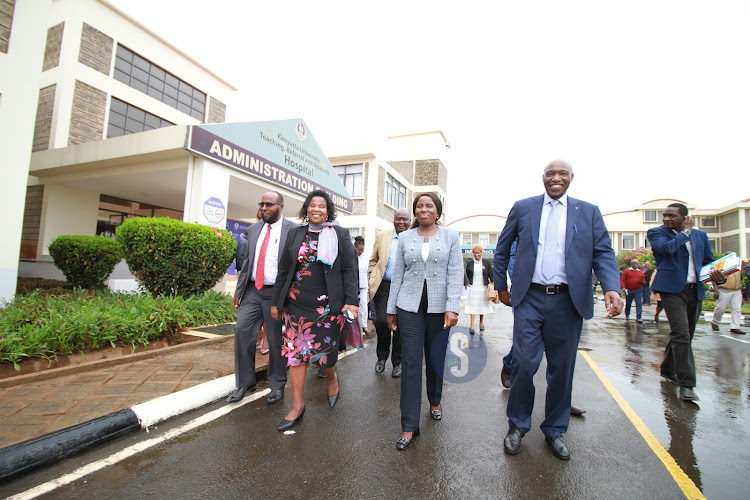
(535, 218)
(572, 223)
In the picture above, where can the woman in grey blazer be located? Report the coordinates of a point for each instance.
(423, 303)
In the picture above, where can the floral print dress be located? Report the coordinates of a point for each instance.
(310, 333)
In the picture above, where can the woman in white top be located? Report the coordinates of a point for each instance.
(478, 276)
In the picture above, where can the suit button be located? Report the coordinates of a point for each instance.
(435, 274)
(415, 272)
(435, 260)
(413, 260)
(412, 248)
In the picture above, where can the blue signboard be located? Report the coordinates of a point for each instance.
(281, 152)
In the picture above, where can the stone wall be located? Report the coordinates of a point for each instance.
(32, 217)
(96, 49)
(730, 244)
(730, 222)
(53, 46)
(87, 119)
(217, 111)
(43, 125)
(427, 172)
(442, 176)
(6, 23)
(404, 168)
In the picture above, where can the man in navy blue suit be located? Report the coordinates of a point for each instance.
(680, 251)
(560, 241)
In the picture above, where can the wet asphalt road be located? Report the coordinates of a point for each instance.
(350, 451)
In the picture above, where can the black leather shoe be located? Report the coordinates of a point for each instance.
(737, 331)
(380, 366)
(505, 377)
(558, 447)
(396, 370)
(404, 443)
(275, 396)
(288, 424)
(240, 393)
(436, 414)
(512, 441)
(670, 376)
(471, 331)
(576, 412)
(714, 327)
(688, 394)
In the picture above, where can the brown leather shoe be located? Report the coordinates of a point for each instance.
(505, 377)
(714, 327)
(737, 331)
(576, 412)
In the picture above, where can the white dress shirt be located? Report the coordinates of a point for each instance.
(560, 275)
(271, 268)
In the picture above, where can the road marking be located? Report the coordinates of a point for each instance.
(683, 481)
(142, 446)
(734, 338)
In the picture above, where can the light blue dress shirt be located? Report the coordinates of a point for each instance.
(560, 275)
(391, 257)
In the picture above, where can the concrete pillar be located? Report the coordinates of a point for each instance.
(206, 193)
(20, 68)
(66, 211)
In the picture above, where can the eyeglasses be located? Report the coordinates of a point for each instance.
(269, 205)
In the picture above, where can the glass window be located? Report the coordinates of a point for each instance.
(484, 239)
(139, 73)
(714, 244)
(395, 192)
(649, 216)
(628, 241)
(127, 119)
(708, 221)
(352, 177)
(466, 239)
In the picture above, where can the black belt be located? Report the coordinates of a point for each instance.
(549, 289)
(689, 286)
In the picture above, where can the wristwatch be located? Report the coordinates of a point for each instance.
(686, 231)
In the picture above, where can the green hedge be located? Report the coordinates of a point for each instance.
(171, 257)
(51, 323)
(86, 261)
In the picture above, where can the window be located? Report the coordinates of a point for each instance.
(708, 222)
(351, 176)
(466, 238)
(628, 241)
(647, 243)
(135, 71)
(714, 244)
(484, 239)
(126, 119)
(649, 216)
(395, 192)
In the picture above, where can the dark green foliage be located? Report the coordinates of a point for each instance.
(86, 261)
(171, 257)
(47, 323)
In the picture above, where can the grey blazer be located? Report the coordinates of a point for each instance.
(443, 271)
(252, 241)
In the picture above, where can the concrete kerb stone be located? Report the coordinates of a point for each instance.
(105, 363)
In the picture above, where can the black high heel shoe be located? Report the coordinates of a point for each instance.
(404, 443)
(288, 424)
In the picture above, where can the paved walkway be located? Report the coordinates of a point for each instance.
(34, 407)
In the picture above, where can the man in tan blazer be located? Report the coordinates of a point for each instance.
(380, 268)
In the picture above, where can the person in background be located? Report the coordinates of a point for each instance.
(680, 251)
(747, 285)
(265, 243)
(632, 281)
(315, 296)
(560, 241)
(478, 276)
(381, 271)
(426, 287)
(647, 275)
(241, 251)
(363, 261)
(729, 294)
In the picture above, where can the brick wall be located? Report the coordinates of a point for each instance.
(96, 49)
(216, 111)
(730, 222)
(442, 176)
(404, 168)
(32, 216)
(52, 48)
(730, 244)
(6, 22)
(43, 124)
(87, 120)
(383, 211)
(427, 172)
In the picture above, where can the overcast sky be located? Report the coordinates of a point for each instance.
(646, 99)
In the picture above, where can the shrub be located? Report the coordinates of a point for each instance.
(171, 257)
(642, 255)
(86, 261)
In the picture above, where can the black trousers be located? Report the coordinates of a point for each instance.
(683, 310)
(383, 348)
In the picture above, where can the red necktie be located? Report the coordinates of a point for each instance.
(260, 269)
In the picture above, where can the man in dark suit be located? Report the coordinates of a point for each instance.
(560, 241)
(265, 241)
(680, 251)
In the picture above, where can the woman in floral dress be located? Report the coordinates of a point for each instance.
(316, 284)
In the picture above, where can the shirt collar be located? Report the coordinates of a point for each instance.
(563, 199)
(277, 223)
